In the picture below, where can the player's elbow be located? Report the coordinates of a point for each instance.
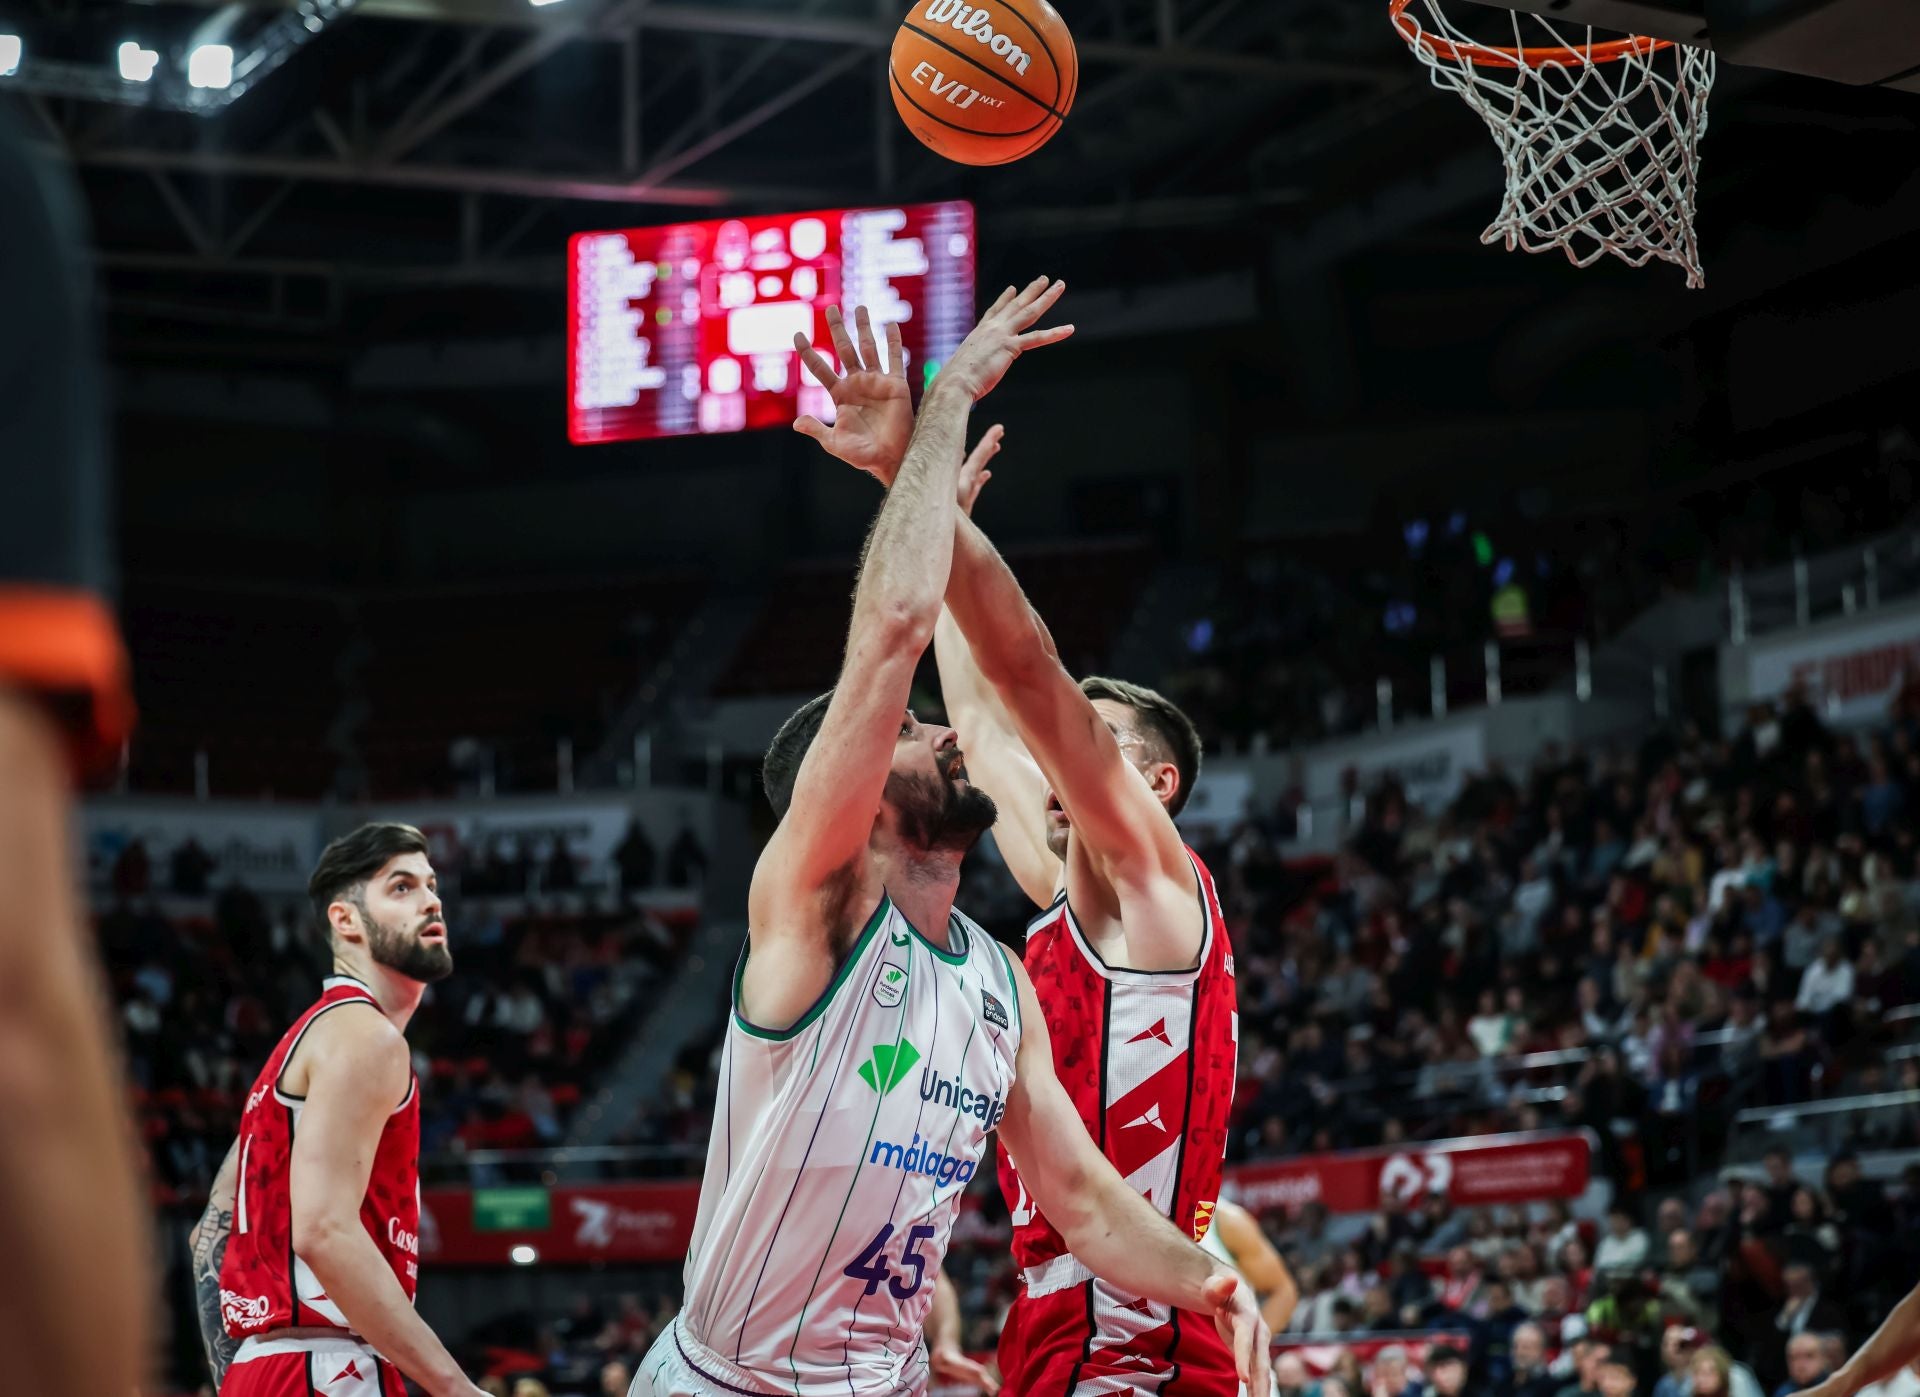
(1076, 1209)
(320, 1234)
(904, 625)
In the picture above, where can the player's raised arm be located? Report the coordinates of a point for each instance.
(353, 1087)
(808, 870)
(1000, 763)
(1113, 1231)
(870, 433)
(1118, 816)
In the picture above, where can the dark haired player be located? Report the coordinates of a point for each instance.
(306, 1259)
(878, 1037)
(1130, 959)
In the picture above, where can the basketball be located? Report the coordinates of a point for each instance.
(984, 84)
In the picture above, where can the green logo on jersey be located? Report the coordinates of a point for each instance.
(889, 1065)
(891, 985)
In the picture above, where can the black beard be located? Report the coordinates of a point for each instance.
(937, 814)
(408, 956)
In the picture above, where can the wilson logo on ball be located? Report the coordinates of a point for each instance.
(976, 22)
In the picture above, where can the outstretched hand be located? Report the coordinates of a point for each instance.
(974, 474)
(1237, 1317)
(873, 407)
(1004, 333)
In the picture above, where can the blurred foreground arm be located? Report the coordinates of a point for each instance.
(945, 1353)
(75, 1313)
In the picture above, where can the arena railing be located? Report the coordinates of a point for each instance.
(1864, 1122)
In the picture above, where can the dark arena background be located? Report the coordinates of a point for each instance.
(1553, 630)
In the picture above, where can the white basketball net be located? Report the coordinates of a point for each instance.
(1601, 139)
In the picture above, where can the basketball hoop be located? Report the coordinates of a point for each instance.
(1601, 140)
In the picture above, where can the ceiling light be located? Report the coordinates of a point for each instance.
(137, 64)
(10, 49)
(211, 65)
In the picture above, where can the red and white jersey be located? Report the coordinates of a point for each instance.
(1149, 1059)
(263, 1285)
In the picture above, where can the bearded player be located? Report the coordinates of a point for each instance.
(878, 1036)
(1130, 960)
(307, 1257)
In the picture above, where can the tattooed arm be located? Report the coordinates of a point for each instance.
(208, 1246)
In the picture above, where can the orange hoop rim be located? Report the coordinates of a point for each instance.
(1489, 56)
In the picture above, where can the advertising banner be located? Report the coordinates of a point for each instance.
(585, 1223)
(269, 848)
(1850, 669)
(1470, 1172)
(1431, 762)
(652, 1222)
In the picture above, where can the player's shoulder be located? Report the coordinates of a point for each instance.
(357, 1031)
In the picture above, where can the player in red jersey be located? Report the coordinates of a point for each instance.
(306, 1259)
(1130, 961)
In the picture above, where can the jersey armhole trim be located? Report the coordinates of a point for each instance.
(1013, 985)
(287, 1098)
(1045, 912)
(1124, 975)
(806, 1020)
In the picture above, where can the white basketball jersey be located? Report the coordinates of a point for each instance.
(840, 1149)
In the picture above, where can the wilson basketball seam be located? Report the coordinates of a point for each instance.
(1059, 74)
(965, 130)
(1036, 143)
(968, 58)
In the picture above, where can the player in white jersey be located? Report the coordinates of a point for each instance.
(1235, 1237)
(878, 1036)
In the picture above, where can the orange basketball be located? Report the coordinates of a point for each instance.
(986, 83)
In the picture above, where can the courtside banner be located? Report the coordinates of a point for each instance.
(585, 1223)
(1469, 1172)
(652, 1222)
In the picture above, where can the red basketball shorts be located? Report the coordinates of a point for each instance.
(342, 1367)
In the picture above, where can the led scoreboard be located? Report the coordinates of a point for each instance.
(689, 328)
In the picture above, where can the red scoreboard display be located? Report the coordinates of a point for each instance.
(689, 328)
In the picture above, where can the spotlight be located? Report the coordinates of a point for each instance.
(538, 3)
(10, 50)
(137, 64)
(524, 1255)
(210, 65)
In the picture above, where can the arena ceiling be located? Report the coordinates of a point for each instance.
(411, 168)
